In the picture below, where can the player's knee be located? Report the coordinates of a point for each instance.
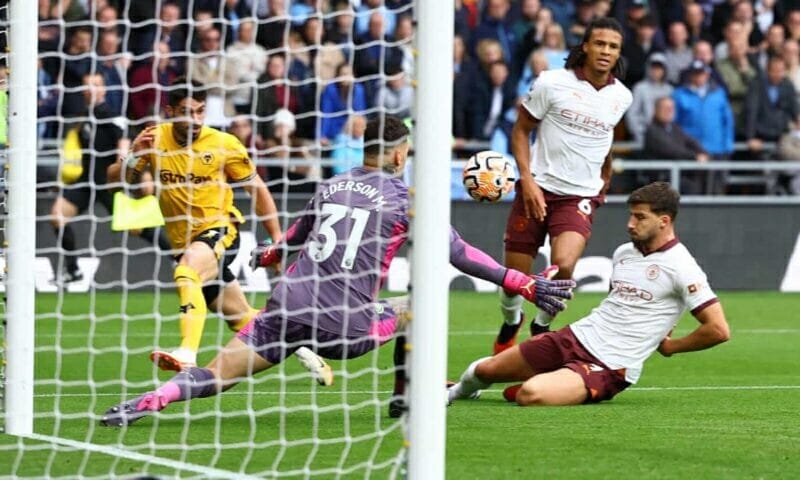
(529, 394)
(566, 265)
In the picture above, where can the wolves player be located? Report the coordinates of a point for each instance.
(194, 167)
(328, 298)
(655, 279)
(574, 110)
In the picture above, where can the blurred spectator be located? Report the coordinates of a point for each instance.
(639, 48)
(208, 68)
(738, 71)
(464, 72)
(773, 45)
(525, 30)
(302, 10)
(788, 181)
(230, 15)
(149, 84)
(113, 66)
(743, 12)
(563, 11)
(491, 101)
(274, 93)
(791, 55)
(666, 140)
(69, 10)
(299, 170)
(47, 95)
(77, 63)
(703, 112)
(703, 51)
(203, 24)
(396, 96)
(678, 54)
(584, 14)
(765, 14)
(272, 31)
(49, 31)
(792, 23)
(721, 15)
(247, 62)
(461, 21)
(694, 18)
(367, 10)
(372, 51)
(496, 25)
(167, 30)
(554, 46)
(341, 31)
(107, 18)
(770, 107)
(734, 30)
(404, 36)
(645, 94)
(348, 148)
(342, 96)
(242, 128)
(537, 63)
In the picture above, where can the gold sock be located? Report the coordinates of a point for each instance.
(193, 306)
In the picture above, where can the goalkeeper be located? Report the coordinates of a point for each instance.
(328, 298)
(194, 167)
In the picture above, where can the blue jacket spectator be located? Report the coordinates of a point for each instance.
(339, 98)
(703, 111)
(496, 25)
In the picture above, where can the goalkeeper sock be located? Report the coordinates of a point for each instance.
(237, 324)
(511, 307)
(543, 319)
(399, 365)
(193, 382)
(67, 236)
(193, 307)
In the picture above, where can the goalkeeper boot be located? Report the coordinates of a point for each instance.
(127, 413)
(507, 337)
(177, 360)
(320, 370)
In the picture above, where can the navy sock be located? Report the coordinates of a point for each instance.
(195, 382)
(67, 243)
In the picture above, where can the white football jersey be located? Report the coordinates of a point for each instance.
(575, 132)
(649, 294)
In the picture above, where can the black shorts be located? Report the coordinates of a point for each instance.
(83, 197)
(216, 240)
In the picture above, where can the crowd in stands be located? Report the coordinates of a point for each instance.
(297, 78)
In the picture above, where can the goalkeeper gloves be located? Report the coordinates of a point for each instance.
(545, 293)
(264, 255)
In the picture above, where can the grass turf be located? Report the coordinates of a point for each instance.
(730, 412)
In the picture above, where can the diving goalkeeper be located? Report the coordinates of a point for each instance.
(328, 299)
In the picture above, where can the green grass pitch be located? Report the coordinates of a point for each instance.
(731, 412)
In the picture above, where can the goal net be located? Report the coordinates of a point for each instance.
(295, 83)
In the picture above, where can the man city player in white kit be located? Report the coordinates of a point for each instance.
(564, 176)
(654, 280)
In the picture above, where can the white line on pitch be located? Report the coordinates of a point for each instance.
(138, 457)
(388, 392)
(454, 333)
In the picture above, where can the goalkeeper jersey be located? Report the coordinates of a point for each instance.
(192, 181)
(649, 293)
(346, 237)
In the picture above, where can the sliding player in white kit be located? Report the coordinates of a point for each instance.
(574, 111)
(654, 280)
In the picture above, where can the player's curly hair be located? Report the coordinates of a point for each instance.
(181, 88)
(577, 57)
(383, 133)
(662, 198)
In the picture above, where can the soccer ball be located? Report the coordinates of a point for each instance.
(488, 176)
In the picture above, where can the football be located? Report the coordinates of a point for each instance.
(488, 176)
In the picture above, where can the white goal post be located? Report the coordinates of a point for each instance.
(21, 217)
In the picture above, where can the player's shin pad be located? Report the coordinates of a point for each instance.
(193, 306)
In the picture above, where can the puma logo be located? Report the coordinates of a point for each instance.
(187, 307)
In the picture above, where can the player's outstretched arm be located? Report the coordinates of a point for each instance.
(712, 331)
(533, 197)
(547, 294)
(264, 206)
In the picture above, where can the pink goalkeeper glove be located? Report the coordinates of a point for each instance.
(545, 293)
(264, 255)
